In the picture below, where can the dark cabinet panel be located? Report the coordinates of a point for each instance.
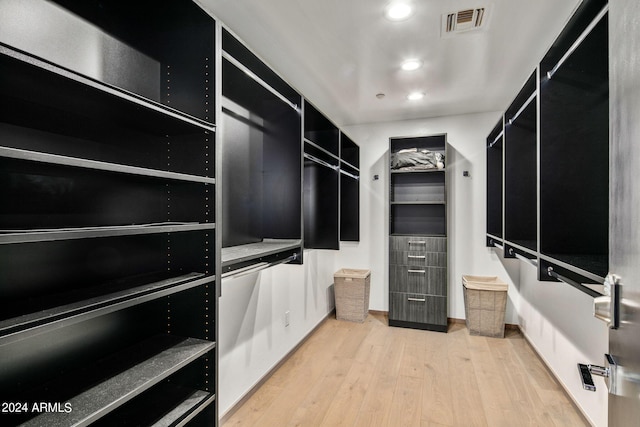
(521, 175)
(495, 151)
(574, 157)
(349, 189)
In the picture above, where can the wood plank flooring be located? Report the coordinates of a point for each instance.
(352, 374)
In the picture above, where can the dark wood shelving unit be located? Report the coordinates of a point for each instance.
(261, 162)
(108, 292)
(418, 238)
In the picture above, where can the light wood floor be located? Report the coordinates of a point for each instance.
(351, 374)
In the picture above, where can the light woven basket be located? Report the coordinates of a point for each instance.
(485, 302)
(352, 294)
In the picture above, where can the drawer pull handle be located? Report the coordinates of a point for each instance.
(417, 256)
(418, 242)
(416, 299)
(417, 271)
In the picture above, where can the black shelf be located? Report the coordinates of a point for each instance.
(51, 196)
(417, 188)
(74, 272)
(164, 356)
(44, 320)
(182, 406)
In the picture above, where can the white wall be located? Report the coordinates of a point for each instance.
(252, 336)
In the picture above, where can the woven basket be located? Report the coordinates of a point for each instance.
(352, 294)
(485, 302)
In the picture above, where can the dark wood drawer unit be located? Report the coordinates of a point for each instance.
(418, 311)
(418, 234)
(425, 280)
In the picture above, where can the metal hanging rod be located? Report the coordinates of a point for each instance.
(258, 80)
(578, 41)
(320, 161)
(525, 105)
(350, 165)
(324, 150)
(533, 262)
(350, 175)
(256, 268)
(500, 135)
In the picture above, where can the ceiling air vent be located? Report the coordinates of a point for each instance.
(463, 21)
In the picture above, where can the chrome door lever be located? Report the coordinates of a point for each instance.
(609, 373)
(607, 307)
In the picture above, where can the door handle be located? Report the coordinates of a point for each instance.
(609, 372)
(607, 307)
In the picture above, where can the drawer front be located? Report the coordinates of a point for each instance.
(415, 279)
(424, 259)
(419, 244)
(409, 307)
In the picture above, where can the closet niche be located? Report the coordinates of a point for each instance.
(349, 189)
(321, 180)
(261, 164)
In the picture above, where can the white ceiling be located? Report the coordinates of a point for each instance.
(340, 53)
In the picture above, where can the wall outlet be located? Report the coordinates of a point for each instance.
(287, 318)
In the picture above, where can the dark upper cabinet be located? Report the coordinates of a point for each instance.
(261, 162)
(321, 181)
(521, 176)
(495, 152)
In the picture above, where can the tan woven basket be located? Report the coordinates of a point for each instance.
(485, 302)
(352, 294)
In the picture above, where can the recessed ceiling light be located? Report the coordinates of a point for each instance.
(414, 96)
(399, 11)
(411, 64)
